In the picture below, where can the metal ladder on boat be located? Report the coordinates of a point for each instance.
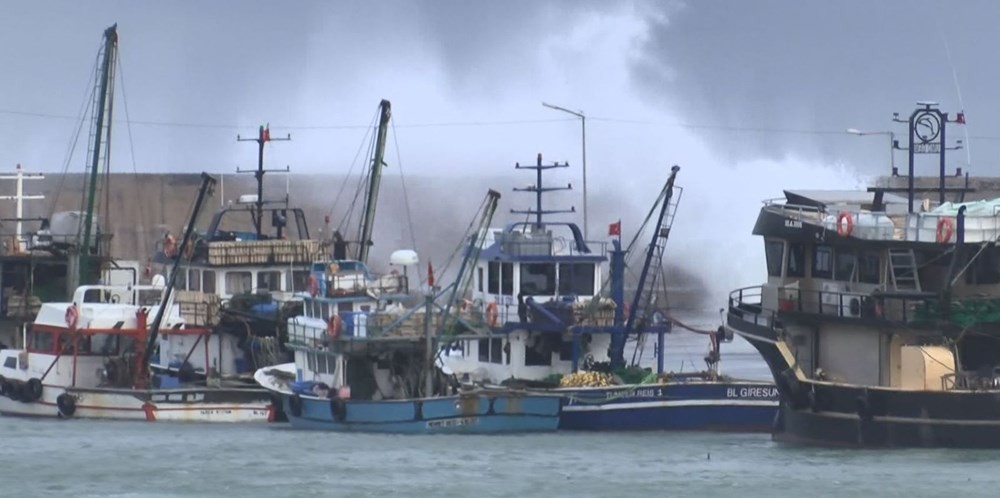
(903, 270)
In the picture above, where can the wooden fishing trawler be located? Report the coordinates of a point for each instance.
(879, 317)
(89, 358)
(551, 324)
(364, 363)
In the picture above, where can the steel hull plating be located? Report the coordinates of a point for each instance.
(475, 414)
(832, 414)
(173, 405)
(720, 406)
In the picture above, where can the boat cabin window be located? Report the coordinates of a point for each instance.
(985, 269)
(774, 251)
(538, 350)
(181, 282)
(493, 275)
(194, 280)
(10, 362)
(479, 279)
(822, 262)
(576, 278)
(209, 281)
(238, 282)
(297, 281)
(796, 260)
(538, 279)
(269, 280)
(846, 261)
(491, 350)
(41, 341)
(507, 279)
(104, 344)
(868, 267)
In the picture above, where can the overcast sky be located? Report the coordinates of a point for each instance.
(749, 97)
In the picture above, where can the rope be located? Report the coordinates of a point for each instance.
(406, 197)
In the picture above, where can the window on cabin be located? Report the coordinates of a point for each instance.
(576, 278)
(507, 279)
(239, 282)
(83, 344)
(479, 279)
(65, 343)
(194, 280)
(538, 279)
(566, 350)
(208, 277)
(493, 277)
(42, 341)
(844, 269)
(796, 260)
(104, 344)
(822, 262)
(538, 350)
(774, 250)
(269, 280)
(10, 362)
(181, 282)
(868, 267)
(496, 350)
(93, 296)
(297, 281)
(484, 350)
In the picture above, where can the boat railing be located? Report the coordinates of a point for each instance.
(747, 302)
(25, 244)
(272, 251)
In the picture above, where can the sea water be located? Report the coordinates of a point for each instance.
(103, 458)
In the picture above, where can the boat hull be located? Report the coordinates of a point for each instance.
(492, 413)
(702, 405)
(836, 414)
(165, 405)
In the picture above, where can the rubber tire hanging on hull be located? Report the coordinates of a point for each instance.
(66, 404)
(338, 408)
(32, 390)
(295, 404)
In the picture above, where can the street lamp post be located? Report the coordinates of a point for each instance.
(892, 144)
(583, 132)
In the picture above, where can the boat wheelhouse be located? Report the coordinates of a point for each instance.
(879, 316)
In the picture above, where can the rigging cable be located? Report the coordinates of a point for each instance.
(406, 197)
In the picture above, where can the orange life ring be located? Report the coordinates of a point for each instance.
(313, 285)
(492, 314)
(844, 229)
(333, 326)
(169, 246)
(945, 227)
(72, 315)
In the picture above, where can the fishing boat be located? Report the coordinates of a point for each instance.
(90, 358)
(554, 326)
(247, 270)
(365, 363)
(878, 319)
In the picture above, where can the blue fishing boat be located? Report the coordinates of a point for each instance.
(366, 363)
(555, 326)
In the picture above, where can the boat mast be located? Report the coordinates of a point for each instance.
(374, 182)
(647, 278)
(263, 137)
(207, 186)
(101, 145)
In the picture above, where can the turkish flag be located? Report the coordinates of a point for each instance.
(430, 274)
(960, 118)
(615, 228)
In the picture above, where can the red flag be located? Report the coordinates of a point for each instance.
(960, 118)
(615, 228)
(430, 274)
(267, 134)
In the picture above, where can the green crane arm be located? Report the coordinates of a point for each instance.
(371, 200)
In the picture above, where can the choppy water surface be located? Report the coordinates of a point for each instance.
(100, 458)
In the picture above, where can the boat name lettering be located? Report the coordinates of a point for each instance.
(641, 393)
(453, 422)
(752, 392)
(793, 223)
(216, 412)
